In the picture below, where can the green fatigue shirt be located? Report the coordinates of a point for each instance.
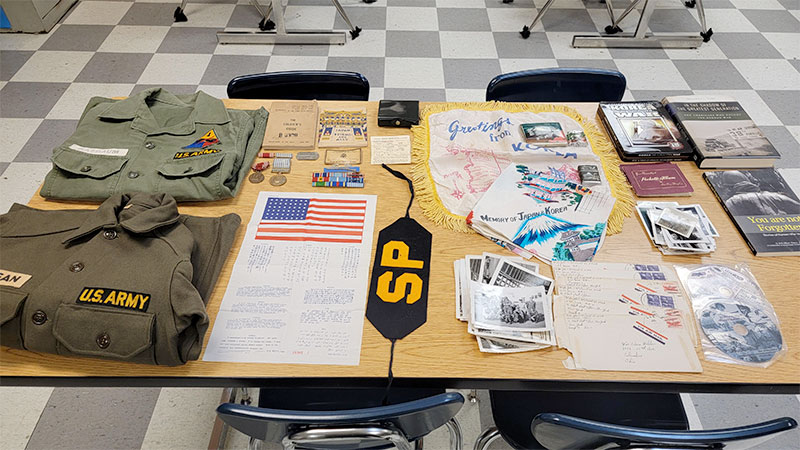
(188, 146)
(126, 281)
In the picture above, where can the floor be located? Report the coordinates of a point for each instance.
(421, 49)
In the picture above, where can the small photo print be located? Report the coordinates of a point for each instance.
(544, 133)
(517, 309)
(647, 131)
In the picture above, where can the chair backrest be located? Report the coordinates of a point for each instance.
(355, 428)
(558, 431)
(557, 85)
(300, 85)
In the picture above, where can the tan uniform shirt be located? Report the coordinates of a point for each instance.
(114, 283)
(188, 146)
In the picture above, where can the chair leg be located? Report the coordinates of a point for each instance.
(455, 434)
(487, 437)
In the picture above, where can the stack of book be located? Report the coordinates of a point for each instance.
(678, 229)
(506, 302)
(715, 132)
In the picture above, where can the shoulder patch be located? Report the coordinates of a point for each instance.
(207, 140)
(117, 298)
(207, 151)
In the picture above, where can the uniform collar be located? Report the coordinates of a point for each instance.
(205, 109)
(138, 213)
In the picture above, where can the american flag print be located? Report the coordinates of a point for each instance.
(333, 220)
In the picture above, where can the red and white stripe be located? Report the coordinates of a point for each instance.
(327, 220)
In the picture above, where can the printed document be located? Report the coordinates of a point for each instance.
(298, 290)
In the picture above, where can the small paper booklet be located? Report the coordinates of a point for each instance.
(624, 317)
(343, 128)
(291, 125)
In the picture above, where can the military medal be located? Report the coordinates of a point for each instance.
(277, 180)
(256, 177)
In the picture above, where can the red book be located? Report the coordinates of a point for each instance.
(657, 180)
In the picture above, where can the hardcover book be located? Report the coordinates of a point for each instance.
(720, 132)
(657, 180)
(762, 206)
(643, 131)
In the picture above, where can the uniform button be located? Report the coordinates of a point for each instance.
(77, 266)
(149, 145)
(39, 317)
(133, 174)
(110, 234)
(86, 169)
(103, 340)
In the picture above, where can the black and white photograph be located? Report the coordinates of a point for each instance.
(509, 274)
(703, 220)
(490, 263)
(522, 309)
(497, 345)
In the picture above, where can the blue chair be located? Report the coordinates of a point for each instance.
(608, 420)
(557, 85)
(339, 419)
(300, 85)
(560, 432)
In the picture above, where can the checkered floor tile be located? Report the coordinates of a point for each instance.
(418, 49)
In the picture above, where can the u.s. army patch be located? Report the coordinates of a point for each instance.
(207, 140)
(207, 151)
(136, 301)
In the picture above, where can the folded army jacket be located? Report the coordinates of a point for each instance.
(189, 146)
(128, 281)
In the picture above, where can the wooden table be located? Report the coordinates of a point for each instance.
(441, 352)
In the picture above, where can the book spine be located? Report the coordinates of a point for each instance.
(610, 132)
(730, 216)
(673, 113)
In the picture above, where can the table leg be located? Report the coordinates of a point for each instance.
(639, 38)
(526, 31)
(280, 35)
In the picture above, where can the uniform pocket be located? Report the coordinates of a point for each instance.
(11, 307)
(80, 175)
(80, 164)
(11, 303)
(89, 331)
(194, 178)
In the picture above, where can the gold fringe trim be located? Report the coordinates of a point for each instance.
(425, 188)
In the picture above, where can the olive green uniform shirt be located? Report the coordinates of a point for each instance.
(189, 146)
(126, 281)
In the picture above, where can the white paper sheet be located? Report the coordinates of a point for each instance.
(390, 149)
(298, 289)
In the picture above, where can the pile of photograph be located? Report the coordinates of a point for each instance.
(678, 229)
(506, 302)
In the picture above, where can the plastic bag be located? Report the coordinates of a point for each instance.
(738, 324)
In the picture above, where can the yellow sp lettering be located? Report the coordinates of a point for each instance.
(401, 285)
(388, 258)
